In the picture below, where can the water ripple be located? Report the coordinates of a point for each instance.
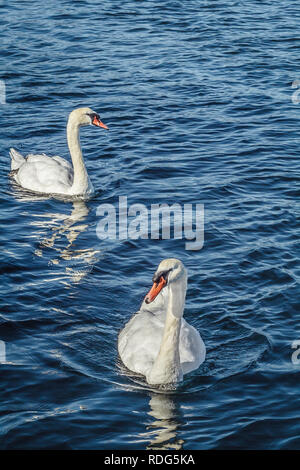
(198, 99)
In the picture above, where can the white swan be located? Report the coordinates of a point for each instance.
(157, 342)
(55, 175)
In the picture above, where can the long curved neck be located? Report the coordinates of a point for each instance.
(166, 367)
(80, 181)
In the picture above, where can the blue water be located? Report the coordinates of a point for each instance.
(198, 98)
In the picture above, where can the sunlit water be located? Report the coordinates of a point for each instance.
(198, 98)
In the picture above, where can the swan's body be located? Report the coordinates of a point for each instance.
(55, 175)
(157, 342)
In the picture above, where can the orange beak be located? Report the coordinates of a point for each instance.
(97, 122)
(155, 290)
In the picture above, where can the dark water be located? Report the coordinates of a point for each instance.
(198, 98)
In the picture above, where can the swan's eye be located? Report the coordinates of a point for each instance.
(161, 274)
(92, 115)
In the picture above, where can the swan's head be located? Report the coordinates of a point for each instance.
(169, 272)
(86, 117)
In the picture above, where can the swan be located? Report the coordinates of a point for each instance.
(157, 342)
(55, 175)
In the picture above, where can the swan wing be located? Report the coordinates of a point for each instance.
(191, 348)
(139, 342)
(62, 161)
(45, 174)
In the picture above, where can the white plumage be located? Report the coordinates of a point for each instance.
(157, 342)
(55, 175)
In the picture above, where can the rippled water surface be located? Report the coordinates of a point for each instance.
(198, 98)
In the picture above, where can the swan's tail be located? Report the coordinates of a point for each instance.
(16, 159)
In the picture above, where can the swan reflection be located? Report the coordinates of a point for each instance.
(165, 415)
(162, 431)
(62, 230)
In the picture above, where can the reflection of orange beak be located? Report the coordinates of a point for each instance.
(155, 290)
(97, 122)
